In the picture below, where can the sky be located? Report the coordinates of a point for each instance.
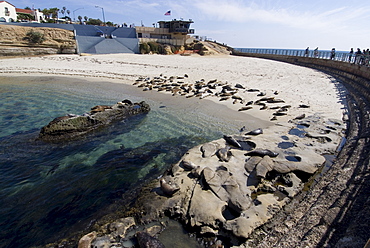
(282, 24)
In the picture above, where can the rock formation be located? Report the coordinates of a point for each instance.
(235, 196)
(71, 126)
(227, 188)
(13, 42)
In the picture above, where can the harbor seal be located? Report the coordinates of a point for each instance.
(245, 108)
(300, 117)
(167, 188)
(100, 108)
(224, 154)
(232, 141)
(262, 153)
(188, 165)
(255, 132)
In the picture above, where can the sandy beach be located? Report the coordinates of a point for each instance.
(295, 85)
(295, 92)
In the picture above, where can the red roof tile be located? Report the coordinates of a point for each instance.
(24, 11)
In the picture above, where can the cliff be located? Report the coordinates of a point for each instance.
(13, 41)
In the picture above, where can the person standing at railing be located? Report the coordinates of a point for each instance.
(350, 55)
(362, 59)
(316, 52)
(306, 52)
(358, 56)
(367, 57)
(332, 54)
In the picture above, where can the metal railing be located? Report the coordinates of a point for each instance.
(360, 59)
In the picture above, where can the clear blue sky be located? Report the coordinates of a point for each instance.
(295, 24)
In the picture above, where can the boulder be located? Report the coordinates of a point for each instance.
(147, 241)
(120, 226)
(85, 241)
(71, 126)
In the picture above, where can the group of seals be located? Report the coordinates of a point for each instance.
(176, 85)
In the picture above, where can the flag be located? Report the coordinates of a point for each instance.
(168, 13)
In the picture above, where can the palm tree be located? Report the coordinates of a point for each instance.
(54, 13)
(85, 18)
(46, 13)
(80, 19)
(68, 13)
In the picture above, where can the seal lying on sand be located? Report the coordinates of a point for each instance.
(255, 132)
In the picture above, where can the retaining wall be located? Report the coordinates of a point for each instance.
(335, 211)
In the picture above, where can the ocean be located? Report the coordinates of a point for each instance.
(50, 191)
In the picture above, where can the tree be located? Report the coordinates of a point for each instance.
(85, 18)
(23, 16)
(80, 19)
(54, 13)
(46, 13)
(92, 21)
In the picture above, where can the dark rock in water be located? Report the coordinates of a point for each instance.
(67, 127)
(147, 241)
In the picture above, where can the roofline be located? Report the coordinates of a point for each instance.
(7, 3)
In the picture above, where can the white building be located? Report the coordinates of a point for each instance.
(7, 12)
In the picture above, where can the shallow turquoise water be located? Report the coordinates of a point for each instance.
(50, 190)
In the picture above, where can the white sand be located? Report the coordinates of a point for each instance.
(296, 85)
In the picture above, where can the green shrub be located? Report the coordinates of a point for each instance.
(153, 47)
(144, 48)
(34, 37)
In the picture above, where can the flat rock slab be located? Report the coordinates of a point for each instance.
(71, 126)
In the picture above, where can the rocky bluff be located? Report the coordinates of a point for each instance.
(71, 126)
(13, 41)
